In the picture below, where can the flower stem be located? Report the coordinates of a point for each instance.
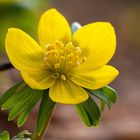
(35, 135)
(5, 66)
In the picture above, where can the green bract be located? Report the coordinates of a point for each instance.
(21, 99)
(4, 136)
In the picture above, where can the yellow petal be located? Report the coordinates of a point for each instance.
(67, 92)
(95, 79)
(98, 44)
(53, 26)
(24, 53)
(42, 80)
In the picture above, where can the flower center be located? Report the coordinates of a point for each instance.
(61, 58)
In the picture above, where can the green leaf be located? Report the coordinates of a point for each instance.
(110, 93)
(89, 112)
(99, 94)
(19, 106)
(45, 112)
(10, 93)
(20, 99)
(17, 96)
(107, 95)
(22, 135)
(4, 136)
(33, 99)
(102, 105)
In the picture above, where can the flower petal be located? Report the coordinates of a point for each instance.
(67, 92)
(95, 79)
(98, 44)
(42, 80)
(24, 53)
(53, 26)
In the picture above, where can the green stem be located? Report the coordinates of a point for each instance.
(35, 135)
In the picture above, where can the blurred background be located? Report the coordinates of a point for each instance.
(123, 121)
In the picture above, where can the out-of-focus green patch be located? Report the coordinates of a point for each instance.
(21, 14)
(15, 15)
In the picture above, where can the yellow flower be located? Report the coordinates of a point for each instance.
(63, 62)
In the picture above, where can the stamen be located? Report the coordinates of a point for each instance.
(77, 51)
(70, 56)
(69, 47)
(48, 46)
(55, 75)
(55, 52)
(63, 77)
(69, 44)
(57, 65)
(62, 58)
(84, 59)
(45, 59)
(56, 58)
(70, 64)
(48, 53)
(77, 63)
(59, 44)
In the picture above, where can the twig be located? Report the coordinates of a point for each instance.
(6, 66)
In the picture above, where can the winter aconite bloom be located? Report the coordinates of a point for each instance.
(62, 62)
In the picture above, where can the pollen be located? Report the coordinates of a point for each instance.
(60, 58)
(63, 77)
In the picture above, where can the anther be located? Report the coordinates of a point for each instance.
(77, 63)
(55, 75)
(77, 50)
(84, 59)
(70, 64)
(70, 56)
(61, 59)
(45, 59)
(70, 46)
(63, 77)
(59, 44)
(57, 65)
(55, 52)
(48, 53)
(48, 46)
